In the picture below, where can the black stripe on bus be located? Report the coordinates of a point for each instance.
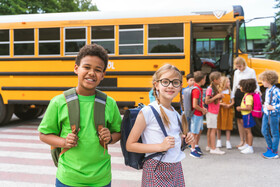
(46, 102)
(120, 89)
(110, 58)
(70, 73)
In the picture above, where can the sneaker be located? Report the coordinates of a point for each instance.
(219, 143)
(243, 147)
(217, 151)
(198, 150)
(270, 155)
(248, 150)
(267, 153)
(228, 145)
(194, 154)
(207, 148)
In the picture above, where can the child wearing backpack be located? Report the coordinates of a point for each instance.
(225, 116)
(248, 86)
(87, 162)
(166, 170)
(271, 109)
(212, 99)
(196, 126)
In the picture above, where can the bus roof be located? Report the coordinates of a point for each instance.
(108, 15)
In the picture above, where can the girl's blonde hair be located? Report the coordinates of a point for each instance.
(223, 84)
(215, 76)
(240, 61)
(156, 77)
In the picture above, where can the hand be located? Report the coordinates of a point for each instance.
(189, 139)
(220, 96)
(270, 107)
(204, 111)
(168, 142)
(71, 140)
(238, 108)
(105, 135)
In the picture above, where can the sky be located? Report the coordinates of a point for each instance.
(252, 8)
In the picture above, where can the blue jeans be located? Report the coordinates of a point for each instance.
(59, 184)
(273, 127)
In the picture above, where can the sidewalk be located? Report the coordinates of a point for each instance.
(232, 169)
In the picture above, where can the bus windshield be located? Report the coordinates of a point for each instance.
(242, 38)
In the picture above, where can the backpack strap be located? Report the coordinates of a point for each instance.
(158, 118)
(73, 106)
(199, 99)
(99, 108)
(99, 114)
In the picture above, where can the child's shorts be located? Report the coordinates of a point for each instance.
(248, 121)
(212, 120)
(196, 124)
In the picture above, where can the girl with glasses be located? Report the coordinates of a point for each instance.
(167, 83)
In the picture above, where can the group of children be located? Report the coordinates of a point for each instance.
(218, 108)
(87, 162)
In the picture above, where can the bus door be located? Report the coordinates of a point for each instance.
(212, 47)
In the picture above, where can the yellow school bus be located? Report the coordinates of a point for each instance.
(37, 52)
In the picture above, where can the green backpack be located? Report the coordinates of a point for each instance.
(74, 117)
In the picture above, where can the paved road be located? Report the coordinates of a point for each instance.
(26, 162)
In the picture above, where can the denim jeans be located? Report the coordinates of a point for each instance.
(59, 184)
(272, 127)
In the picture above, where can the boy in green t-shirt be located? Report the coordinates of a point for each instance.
(85, 163)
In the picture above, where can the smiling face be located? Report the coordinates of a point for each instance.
(169, 92)
(90, 74)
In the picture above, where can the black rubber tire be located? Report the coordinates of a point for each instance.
(28, 114)
(3, 111)
(9, 113)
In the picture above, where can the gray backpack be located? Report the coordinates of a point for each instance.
(187, 98)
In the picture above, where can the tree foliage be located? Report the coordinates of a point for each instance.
(10, 7)
(275, 53)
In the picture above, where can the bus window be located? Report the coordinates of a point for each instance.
(75, 38)
(131, 39)
(4, 43)
(104, 36)
(23, 42)
(242, 38)
(166, 38)
(210, 48)
(49, 41)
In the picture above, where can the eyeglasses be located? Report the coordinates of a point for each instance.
(165, 82)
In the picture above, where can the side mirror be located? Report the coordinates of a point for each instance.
(273, 29)
(273, 45)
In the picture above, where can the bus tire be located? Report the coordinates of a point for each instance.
(27, 114)
(9, 113)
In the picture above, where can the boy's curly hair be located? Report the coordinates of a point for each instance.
(269, 76)
(248, 85)
(93, 50)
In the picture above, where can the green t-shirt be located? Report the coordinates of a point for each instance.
(86, 164)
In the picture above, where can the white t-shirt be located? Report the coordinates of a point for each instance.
(248, 73)
(153, 134)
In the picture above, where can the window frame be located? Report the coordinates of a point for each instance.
(165, 38)
(127, 45)
(73, 40)
(7, 42)
(49, 41)
(104, 40)
(23, 42)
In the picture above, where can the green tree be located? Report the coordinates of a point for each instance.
(275, 52)
(9, 7)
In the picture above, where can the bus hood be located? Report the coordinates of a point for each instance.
(260, 65)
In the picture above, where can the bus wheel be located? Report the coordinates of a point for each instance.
(9, 113)
(43, 109)
(29, 113)
(257, 129)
